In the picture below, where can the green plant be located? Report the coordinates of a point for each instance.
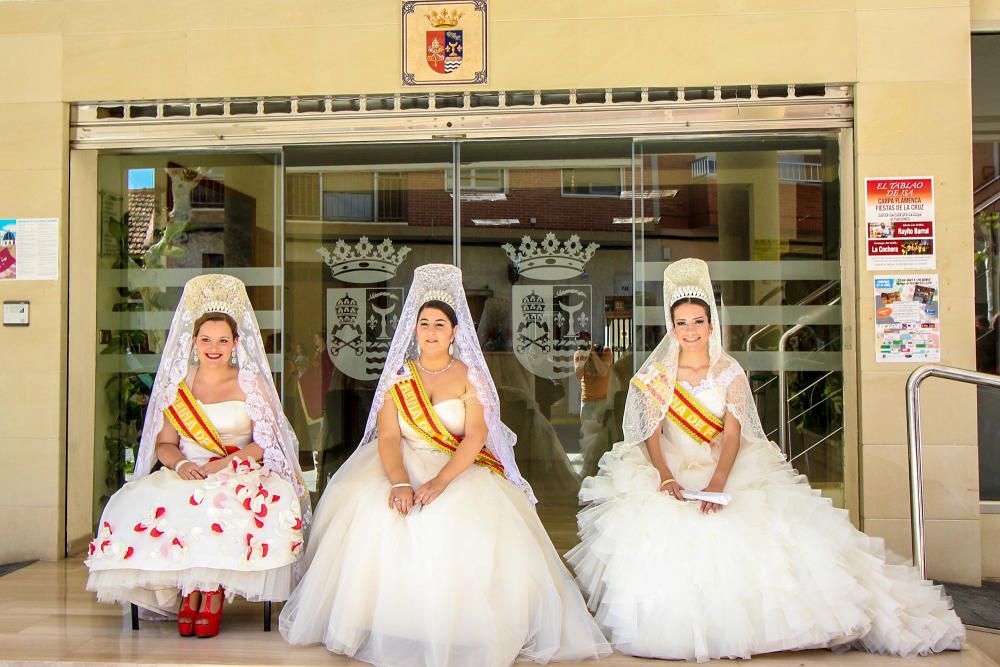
(127, 393)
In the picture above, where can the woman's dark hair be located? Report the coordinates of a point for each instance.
(693, 300)
(216, 317)
(448, 311)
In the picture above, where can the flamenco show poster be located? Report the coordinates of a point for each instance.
(899, 218)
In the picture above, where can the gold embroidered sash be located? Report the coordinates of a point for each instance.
(682, 408)
(190, 420)
(411, 400)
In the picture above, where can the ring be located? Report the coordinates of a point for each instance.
(395, 501)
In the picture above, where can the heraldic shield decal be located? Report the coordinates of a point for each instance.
(444, 50)
(547, 322)
(361, 323)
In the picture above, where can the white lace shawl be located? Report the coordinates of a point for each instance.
(446, 278)
(271, 430)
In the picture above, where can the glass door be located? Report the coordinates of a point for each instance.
(765, 214)
(546, 253)
(358, 219)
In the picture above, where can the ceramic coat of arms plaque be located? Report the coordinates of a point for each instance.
(444, 41)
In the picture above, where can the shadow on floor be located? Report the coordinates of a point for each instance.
(14, 567)
(977, 606)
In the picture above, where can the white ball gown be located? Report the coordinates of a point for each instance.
(161, 536)
(778, 569)
(471, 579)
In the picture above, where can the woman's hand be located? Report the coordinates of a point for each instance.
(711, 508)
(401, 499)
(426, 494)
(672, 487)
(216, 465)
(189, 470)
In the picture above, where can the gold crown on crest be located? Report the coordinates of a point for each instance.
(443, 19)
(551, 258)
(364, 262)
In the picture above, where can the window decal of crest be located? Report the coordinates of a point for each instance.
(365, 262)
(361, 323)
(548, 318)
(550, 259)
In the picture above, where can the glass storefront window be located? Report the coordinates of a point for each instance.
(764, 213)
(165, 218)
(562, 244)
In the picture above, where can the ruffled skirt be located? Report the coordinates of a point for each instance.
(162, 537)
(471, 579)
(778, 569)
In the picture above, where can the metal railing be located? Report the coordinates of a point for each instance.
(914, 442)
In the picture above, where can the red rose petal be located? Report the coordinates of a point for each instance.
(177, 542)
(156, 532)
(105, 544)
(140, 528)
(258, 522)
(295, 545)
(263, 550)
(249, 538)
(129, 552)
(246, 504)
(194, 502)
(92, 548)
(240, 487)
(275, 498)
(263, 511)
(160, 511)
(108, 526)
(298, 523)
(217, 528)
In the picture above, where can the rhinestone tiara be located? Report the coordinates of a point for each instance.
(439, 295)
(689, 292)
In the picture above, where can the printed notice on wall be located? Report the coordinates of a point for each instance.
(29, 249)
(907, 328)
(899, 217)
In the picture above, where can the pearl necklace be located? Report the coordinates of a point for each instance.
(438, 372)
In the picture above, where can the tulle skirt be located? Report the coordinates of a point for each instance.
(471, 579)
(777, 569)
(162, 537)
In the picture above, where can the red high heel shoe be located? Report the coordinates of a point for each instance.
(186, 616)
(208, 621)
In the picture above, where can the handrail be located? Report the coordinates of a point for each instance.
(825, 287)
(986, 204)
(988, 184)
(914, 442)
(783, 381)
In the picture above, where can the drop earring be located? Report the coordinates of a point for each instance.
(194, 357)
(451, 348)
(232, 358)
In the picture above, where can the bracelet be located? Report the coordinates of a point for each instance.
(401, 485)
(667, 481)
(177, 466)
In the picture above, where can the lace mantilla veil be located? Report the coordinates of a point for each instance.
(271, 430)
(447, 279)
(643, 416)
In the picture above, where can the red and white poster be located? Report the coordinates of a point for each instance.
(899, 219)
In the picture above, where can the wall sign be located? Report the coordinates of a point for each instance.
(899, 218)
(444, 41)
(907, 324)
(29, 249)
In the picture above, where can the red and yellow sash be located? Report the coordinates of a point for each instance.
(418, 413)
(682, 408)
(187, 416)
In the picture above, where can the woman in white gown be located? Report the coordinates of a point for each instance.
(777, 568)
(223, 513)
(426, 549)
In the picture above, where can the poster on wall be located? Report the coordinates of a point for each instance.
(899, 219)
(29, 249)
(907, 325)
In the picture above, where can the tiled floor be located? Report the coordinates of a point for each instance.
(46, 617)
